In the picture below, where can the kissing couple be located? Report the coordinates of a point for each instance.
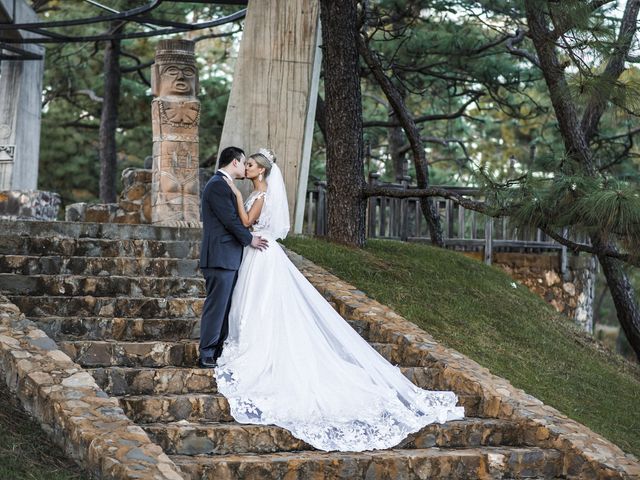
(282, 355)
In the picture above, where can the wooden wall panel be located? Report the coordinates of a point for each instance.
(274, 89)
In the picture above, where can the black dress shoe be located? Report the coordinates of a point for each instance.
(207, 362)
(217, 353)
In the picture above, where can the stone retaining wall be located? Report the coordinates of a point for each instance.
(134, 203)
(587, 454)
(571, 294)
(75, 412)
(29, 205)
(133, 207)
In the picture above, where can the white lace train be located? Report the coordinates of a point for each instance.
(290, 360)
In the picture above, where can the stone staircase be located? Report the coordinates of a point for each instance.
(124, 302)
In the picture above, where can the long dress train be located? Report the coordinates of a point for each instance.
(290, 360)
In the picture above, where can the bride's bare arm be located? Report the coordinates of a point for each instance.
(250, 217)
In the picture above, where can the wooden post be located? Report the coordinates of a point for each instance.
(460, 222)
(488, 240)
(383, 215)
(563, 256)
(371, 214)
(321, 210)
(474, 225)
(404, 211)
(393, 218)
(447, 219)
(310, 212)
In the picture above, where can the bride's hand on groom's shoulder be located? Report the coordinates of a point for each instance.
(234, 189)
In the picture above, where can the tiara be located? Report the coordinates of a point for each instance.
(266, 154)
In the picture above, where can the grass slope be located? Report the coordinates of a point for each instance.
(26, 453)
(481, 312)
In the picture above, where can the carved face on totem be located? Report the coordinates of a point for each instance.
(175, 70)
(177, 79)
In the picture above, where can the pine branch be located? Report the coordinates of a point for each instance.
(481, 207)
(562, 28)
(586, 248)
(516, 39)
(427, 118)
(598, 101)
(91, 94)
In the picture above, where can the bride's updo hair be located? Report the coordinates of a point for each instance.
(265, 158)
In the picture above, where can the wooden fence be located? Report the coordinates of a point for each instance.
(467, 230)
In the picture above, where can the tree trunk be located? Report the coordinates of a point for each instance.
(396, 147)
(109, 122)
(623, 296)
(343, 107)
(576, 135)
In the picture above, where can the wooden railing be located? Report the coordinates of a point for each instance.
(463, 229)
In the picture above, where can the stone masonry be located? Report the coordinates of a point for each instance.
(86, 422)
(133, 207)
(571, 294)
(123, 303)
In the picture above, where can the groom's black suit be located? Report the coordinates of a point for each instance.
(223, 239)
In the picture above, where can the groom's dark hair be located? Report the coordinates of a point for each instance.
(228, 155)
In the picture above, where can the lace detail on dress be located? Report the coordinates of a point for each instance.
(262, 223)
(381, 423)
(253, 196)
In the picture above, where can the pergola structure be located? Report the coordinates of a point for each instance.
(272, 102)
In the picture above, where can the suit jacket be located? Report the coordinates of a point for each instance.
(223, 234)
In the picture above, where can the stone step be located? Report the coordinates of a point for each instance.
(112, 231)
(121, 328)
(192, 407)
(175, 386)
(112, 286)
(149, 380)
(90, 306)
(440, 463)
(93, 247)
(221, 438)
(96, 353)
(118, 328)
(100, 266)
(118, 381)
(207, 407)
(216, 438)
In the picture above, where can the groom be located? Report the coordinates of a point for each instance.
(223, 239)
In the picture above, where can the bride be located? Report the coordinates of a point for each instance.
(290, 360)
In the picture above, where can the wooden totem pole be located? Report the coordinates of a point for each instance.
(175, 113)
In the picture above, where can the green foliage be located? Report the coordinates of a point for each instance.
(481, 312)
(73, 85)
(615, 209)
(584, 204)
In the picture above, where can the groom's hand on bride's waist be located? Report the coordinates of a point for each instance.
(259, 243)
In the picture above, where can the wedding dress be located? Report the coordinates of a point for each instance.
(290, 359)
